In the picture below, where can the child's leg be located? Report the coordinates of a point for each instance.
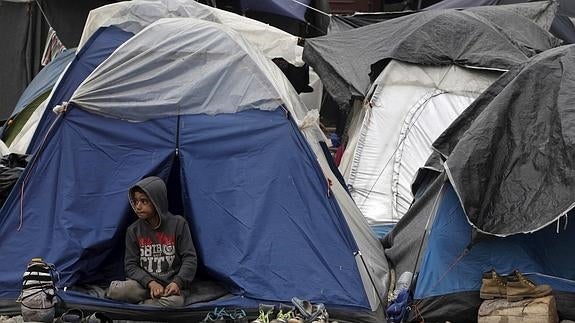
(169, 301)
(129, 291)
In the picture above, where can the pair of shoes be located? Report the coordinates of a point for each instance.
(265, 313)
(514, 288)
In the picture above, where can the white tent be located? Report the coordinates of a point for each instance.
(390, 137)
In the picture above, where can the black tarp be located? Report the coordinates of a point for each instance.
(511, 153)
(21, 34)
(484, 37)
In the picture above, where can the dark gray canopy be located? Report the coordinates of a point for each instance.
(484, 37)
(562, 26)
(511, 154)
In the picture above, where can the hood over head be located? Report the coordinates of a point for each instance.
(156, 190)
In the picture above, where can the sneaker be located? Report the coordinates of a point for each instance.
(519, 287)
(280, 318)
(239, 316)
(285, 313)
(265, 313)
(218, 315)
(493, 286)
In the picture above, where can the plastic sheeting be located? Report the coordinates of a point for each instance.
(133, 16)
(410, 107)
(244, 78)
(485, 37)
(509, 155)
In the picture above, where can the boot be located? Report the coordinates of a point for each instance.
(492, 286)
(519, 287)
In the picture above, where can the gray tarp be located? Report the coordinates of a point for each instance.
(511, 154)
(484, 37)
(562, 26)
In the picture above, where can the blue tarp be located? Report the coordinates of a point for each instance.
(452, 264)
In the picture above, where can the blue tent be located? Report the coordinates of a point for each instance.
(503, 199)
(449, 257)
(191, 102)
(540, 255)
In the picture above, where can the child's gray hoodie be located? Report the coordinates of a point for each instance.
(165, 254)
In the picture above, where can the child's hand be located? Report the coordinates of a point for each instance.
(156, 290)
(172, 289)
